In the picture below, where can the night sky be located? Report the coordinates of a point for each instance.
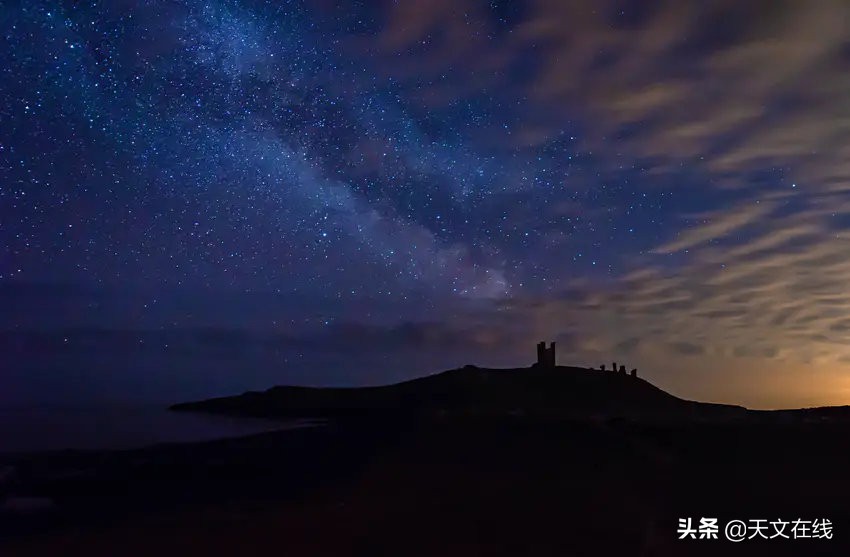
(202, 197)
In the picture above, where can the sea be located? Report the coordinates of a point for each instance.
(119, 427)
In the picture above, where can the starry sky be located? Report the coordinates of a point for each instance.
(202, 197)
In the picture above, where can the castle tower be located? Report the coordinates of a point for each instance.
(545, 356)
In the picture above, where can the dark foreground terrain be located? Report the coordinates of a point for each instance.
(563, 461)
(463, 487)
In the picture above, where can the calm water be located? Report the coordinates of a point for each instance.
(38, 429)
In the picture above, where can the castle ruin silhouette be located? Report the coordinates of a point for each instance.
(545, 356)
(546, 360)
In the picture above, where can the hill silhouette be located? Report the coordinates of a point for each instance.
(561, 391)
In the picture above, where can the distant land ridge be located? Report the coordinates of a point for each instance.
(557, 391)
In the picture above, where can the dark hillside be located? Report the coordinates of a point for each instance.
(561, 391)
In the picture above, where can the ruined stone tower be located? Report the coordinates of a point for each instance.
(545, 356)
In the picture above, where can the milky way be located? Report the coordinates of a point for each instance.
(237, 145)
(446, 177)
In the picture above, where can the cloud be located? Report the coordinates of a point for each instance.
(720, 84)
(687, 348)
(716, 225)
